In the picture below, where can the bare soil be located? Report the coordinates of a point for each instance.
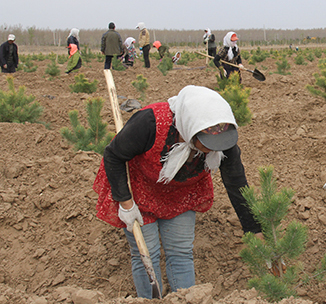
(51, 243)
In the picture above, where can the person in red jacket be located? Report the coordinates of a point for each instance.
(171, 149)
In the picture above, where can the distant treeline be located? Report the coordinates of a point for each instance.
(92, 37)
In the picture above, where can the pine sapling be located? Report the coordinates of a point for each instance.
(15, 106)
(319, 88)
(238, 98)
(165, 65)
(52, 69)
(141, 85)
(117, 64)
(273, 262)
(29, 66)
(96, 137)
(82, 85)
(283, 66)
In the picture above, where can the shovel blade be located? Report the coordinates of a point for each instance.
(258, 75)
(156, 294)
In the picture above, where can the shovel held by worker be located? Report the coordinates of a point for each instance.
(256, 74)
(143, 250)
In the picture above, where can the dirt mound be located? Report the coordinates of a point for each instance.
(52, 246)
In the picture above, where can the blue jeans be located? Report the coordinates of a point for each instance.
(177, 236)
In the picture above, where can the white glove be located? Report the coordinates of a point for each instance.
(241, 66)
(128, 216)
(206, 39)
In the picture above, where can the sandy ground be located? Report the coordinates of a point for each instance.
(52, 246)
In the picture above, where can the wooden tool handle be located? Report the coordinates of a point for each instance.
(229, 63)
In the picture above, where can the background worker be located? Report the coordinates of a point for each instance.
(160, 47)
(74, 61)
(209, 39)
(9, 55)
(129, 51)
(230, 52)
(171, 149)
(111, 44)
(73, 38)
(144, 42)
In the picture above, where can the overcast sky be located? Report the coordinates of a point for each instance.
(164, 14)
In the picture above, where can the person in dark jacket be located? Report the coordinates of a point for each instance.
(111, 44)
(230, 53)
(209, 39)
(9, 55)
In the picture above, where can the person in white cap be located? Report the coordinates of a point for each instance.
(171, 149)
(230, 53)
(9, 55)
(144, 42)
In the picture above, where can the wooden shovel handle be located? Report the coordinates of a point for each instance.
(143, 250)
(229, 63)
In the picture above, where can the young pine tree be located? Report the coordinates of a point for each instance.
(165, 65)
(15, 106)
(52, 69)
(282, 244)
(141, 85)
(319, 88)
(283, 66)
(95, 138)
(238, 98)
(82, 85)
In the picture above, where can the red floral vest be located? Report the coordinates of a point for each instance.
(155, 200)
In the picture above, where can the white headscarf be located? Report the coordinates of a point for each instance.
(74, 32)
(129, 41)
(207, 33)
(141, 26)
(227, 42)
(196, 108)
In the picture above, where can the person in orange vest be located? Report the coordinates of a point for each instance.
(161, 48)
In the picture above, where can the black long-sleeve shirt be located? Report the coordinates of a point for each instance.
(138, 136)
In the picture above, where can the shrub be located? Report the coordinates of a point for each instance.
(96, 137)
(82, 85)
(17, 107)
